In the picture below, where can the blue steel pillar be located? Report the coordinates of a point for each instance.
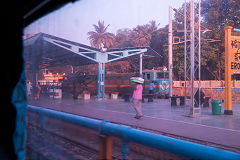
(101, 78)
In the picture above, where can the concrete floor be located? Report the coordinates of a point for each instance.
(160, 108)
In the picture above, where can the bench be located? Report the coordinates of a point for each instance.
(111, 95)
(174, 100)
(114, 95)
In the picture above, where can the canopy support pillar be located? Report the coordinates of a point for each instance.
(101, 78)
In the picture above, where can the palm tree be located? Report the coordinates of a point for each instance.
(100, 36)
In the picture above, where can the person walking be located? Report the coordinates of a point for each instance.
(37, 95)
(196, 97)
(29, 87)
(137, 96)
(151, 87)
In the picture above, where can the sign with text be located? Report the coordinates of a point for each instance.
(234, 53)
(232, 65)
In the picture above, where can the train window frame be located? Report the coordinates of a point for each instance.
(164, 75)
(159, 75)
(148, 76)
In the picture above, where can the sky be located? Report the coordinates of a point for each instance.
(74, 20)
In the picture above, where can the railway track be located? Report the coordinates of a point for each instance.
(63, 141)
(48, 145)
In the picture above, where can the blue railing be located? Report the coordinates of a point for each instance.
(128, 134)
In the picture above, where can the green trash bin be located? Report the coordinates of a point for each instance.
(216, 107)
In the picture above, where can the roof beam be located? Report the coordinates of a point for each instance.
(100, 57)
(74, 48)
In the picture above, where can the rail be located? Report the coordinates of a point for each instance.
(128, 134)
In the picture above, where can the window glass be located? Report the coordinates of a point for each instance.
(81, 57)
(148, 76)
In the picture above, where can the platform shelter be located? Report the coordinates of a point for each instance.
(43, 50)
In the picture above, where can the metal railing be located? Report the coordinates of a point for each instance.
(128, 134)
(207, 87)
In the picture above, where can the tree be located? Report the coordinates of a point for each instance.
(121, 39)
(101, 36)
(142, 34)
(153, 26)
(159, 43)
(139, 36)
(216, 15)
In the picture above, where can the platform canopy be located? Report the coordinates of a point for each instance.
(43, 50)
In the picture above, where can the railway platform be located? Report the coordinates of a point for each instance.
(221, 131)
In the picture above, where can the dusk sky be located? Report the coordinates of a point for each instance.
(74, 20)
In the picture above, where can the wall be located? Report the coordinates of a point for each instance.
(209, 83)
(214, 93)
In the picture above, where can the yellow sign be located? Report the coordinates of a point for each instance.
(234, 52)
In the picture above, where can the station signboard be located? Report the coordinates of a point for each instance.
(232, 65)
(234, 52)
